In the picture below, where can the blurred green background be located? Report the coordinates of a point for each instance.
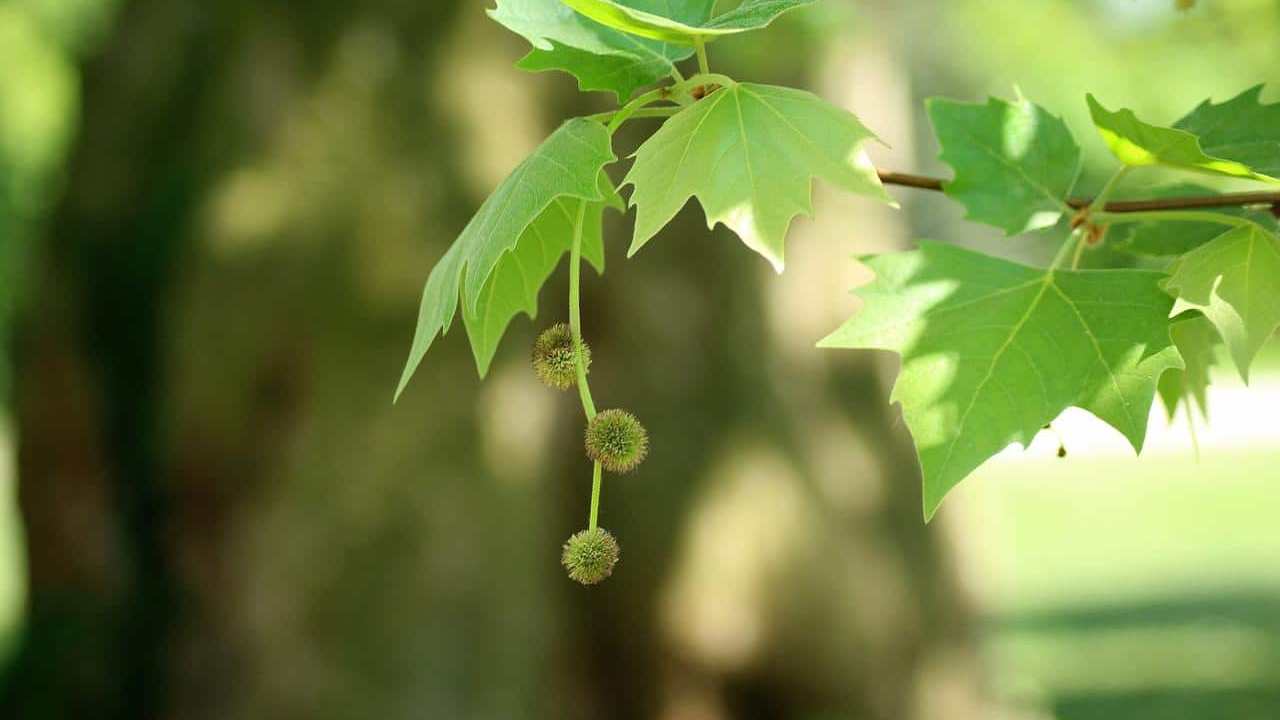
(215, 221)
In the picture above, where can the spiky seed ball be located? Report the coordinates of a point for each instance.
(553, 357)
(589, 556)
(617, 440)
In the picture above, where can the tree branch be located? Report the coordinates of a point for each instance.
(1272, 199)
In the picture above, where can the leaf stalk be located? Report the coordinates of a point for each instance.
(575, 325)
(704, 65)
(1114, 218)
(676, 92)
(575, 311)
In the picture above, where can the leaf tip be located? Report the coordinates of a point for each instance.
(404, 383)
(1244, 372)
(410, 367)
(930, 508)
(829, 342)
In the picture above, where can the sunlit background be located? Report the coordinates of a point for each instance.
(215, 222)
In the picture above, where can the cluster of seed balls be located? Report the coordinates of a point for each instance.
(614, 438)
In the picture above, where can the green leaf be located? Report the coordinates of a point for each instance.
(568, 165)
(1241, 129)
(992, 351)
(1170, 238)
(749, 153)
(750, 15)
(1015, 163)
(619, 73)
(600, 57)
(1137, 143)
(520, 274)
(1195, 338)
(1235, 282)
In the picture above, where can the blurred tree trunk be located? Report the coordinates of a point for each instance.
(103, 596)
(109, 502)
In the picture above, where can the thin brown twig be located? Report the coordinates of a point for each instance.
(1262, 199)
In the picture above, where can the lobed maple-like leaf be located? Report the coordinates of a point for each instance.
(993, 350)
(750, 15)
(1137, 143)
(1015, 163)
(1241, 129)
(1196, 340)
(750, 153)
(600, 57)
(520, 274)
(1235, 281)
(567, 167)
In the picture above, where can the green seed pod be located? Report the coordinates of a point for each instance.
(553, 357)
(617, 440)
(589, 556)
